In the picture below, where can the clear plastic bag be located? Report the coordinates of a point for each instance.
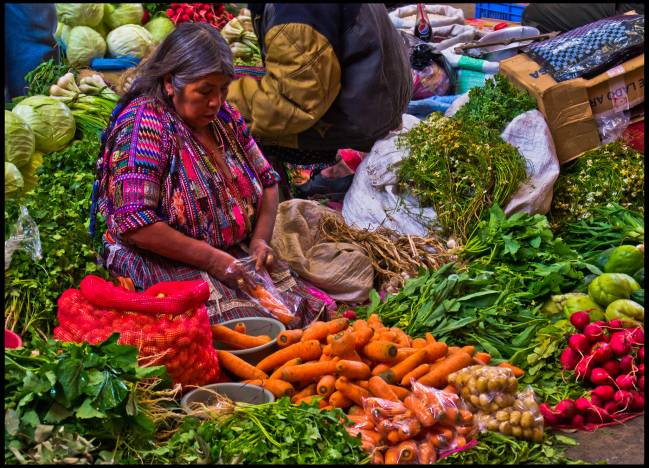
(281, 305)
(612, 127)
(25, 236)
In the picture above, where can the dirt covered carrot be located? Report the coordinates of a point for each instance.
(237, 340)
(277, 374)
(343, 345)
(319, 331)
(419, 343)
(338, 400)
(374, 322)
(380, 351)
(309, 390)
(380, 389)
(351, 391)
(417, 372)
(289, 337)
(396, 372)
(238, 367)
(379, 368)
(326, 385)
(353, 370)
(308, 371)
(362, 333)
(307, 350)
(437, 376)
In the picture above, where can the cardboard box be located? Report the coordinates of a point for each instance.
(570, 107)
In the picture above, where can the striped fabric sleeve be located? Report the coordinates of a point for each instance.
(268, 176)
(136, 168)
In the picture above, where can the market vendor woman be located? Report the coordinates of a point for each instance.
(183, 187)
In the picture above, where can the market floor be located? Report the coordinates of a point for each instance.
(616, 445)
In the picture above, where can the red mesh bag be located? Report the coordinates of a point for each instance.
(168, 321)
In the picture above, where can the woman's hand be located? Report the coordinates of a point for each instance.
(262, 252)
(229, 270)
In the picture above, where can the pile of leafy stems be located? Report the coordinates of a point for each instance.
(45, 75)
(277, 432)
(90, 390)
(459, 172)
(612, 173)
(60, 205)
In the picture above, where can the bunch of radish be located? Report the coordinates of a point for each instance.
(611, 358)
(212, 13)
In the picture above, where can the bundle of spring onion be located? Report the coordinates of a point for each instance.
(91, 102)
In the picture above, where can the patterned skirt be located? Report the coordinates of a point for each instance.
(146, 269)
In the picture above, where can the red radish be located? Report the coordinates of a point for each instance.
(584, 368)
(611, 407)
(583, 404)
(641, 354)
(626, 364)
(637, 336)
(569, 359)
(626, 382)
(637, 401)
(641, 383)
(615, 325)
(565, 409)
(601, 352)
(603, 392)
(551, 418)
(612, 366)
(580, 319)
(641, 370)
(596, 401)
(599, 376)
(593, 332)
(598, 415)
(620, 344)
(623, 399)
(349, 314)
(578, 421)
(170, 13)
(579, 343)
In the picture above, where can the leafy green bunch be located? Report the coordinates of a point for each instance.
(457, 172)
(90, 390)
(277, 432)
(612, 173)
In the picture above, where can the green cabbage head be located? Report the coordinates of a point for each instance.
(130, 39)
(160, 27)
(123, 13)
(83, 45)
(80, 14)
(19, 140)
(51, 121)
(13, 180)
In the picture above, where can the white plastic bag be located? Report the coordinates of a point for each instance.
(25, 236)
(438, 15)
(373, 200)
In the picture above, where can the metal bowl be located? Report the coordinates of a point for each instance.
(255, 326)
(238, 392)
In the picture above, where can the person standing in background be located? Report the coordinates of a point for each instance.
(29, 41)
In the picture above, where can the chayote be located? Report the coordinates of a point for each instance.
(624, 259)
(577, 302)
(639, 276)
(629, 312)
(609, 287)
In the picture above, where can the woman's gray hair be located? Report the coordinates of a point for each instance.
(191, 52)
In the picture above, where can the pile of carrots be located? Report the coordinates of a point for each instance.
(340, 364)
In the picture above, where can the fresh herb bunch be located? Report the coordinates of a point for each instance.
(60, 205)
(493, 106)
(612, 173)
(494, 448)
(45, 75)
(277, 432)
(93, 391)
(457, 172)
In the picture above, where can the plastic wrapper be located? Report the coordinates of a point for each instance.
(590, 49)
(281, 305)
(432, 74)
(492, 395)
(24, 236)
(612, 127)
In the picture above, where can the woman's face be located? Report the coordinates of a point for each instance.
(199, 102)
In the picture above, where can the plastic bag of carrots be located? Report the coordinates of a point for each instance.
(281, 305)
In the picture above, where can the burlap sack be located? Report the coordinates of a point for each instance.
(342, 270)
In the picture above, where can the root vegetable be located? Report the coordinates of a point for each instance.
(620, 344)
(584, 368)
(637, 401)
(319, 331)
(596, 401)
(550, 416)
(626, 364)
(239, 367)
(578, 421)
(565, 409)
(599, 376)
(626, 382)
(615, 324)
(307, 350)
(604, 392)
(612, 366)
(598, 415)
(583, 405)
(569, 359)
(637, 336)
(641, 354)
(353, 370)
(593, 332)
(579, 342)
(580, 320)
(641, 382)
(623, 398)
(611, 407)
(601, 352)
(309, 371)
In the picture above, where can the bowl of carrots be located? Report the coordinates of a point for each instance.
(251, 339)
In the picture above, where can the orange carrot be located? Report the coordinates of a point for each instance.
(353, 370)
(396, 372)
(272, 304)
(419, 343)
(288, 337)
(419, 408)
(437, 376)
(393, 437)
(362, 333)
(237, 340)
(309, 390)
(378, 458)
(240, 327)
(370, 439)
(400, 391)
(402, 340)
(277, 387)
(468, 349)
(362, 383)
(484, 358)
(308, 399)
(380, 389)
(387, 334)
(307, 350)
(380, 351)
(326, 385)
(403, 353)
(391, 456)
(436, 350)
(380, 368)
(426, 454)
(343, 345)
(277, 374)
(351, 391)
(450, 389)
(453, 349)
(326, 349)
(240, 368)
(355, 410)
(308, 371)
(417, 372)
(375, 322)
(430, 339)
(338, 400)
(518, 372)
(407, 451)
(319, 331)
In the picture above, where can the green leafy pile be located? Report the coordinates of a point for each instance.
(60, 205)
(45, 75)
(270, 433)
(497, 449)
(91, 391)
(458, 172)
(612, 173)
(493, 106)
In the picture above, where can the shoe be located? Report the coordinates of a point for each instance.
(320, 185)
